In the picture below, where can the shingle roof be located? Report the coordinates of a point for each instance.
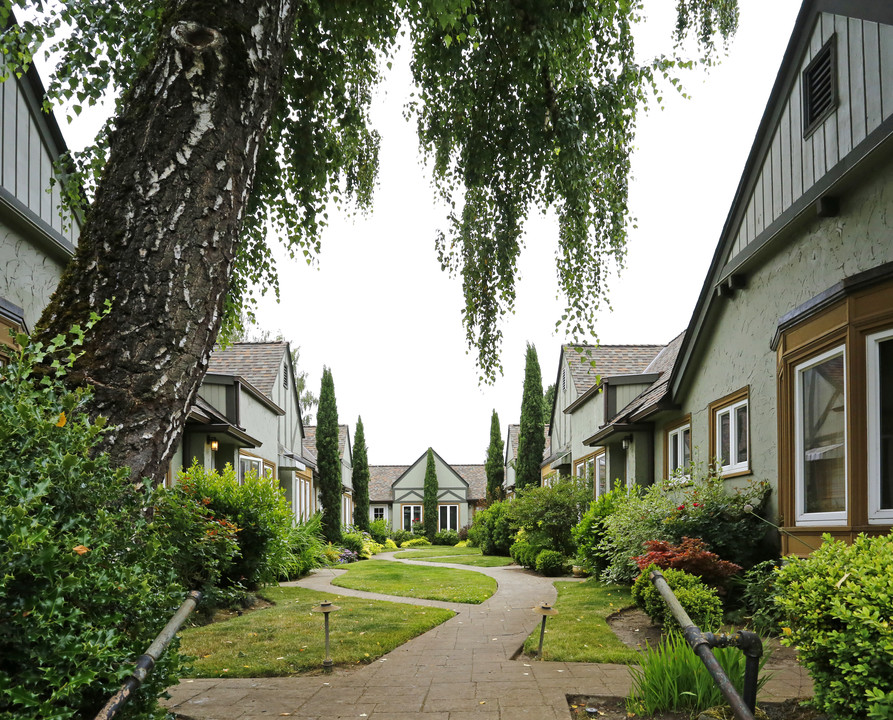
(476, 477)
(514, 434)
(309, 441)
(662, 364)
(381, 478)
(257, 362)
(608, 359)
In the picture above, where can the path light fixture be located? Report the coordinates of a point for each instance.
(326, 607)
(545, 610)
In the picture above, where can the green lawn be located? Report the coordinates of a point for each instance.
(288, 639)
(456, 555)
(579, 632)
(429, 583)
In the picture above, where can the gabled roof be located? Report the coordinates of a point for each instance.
(476, 477)
(735, 252)
(381, 479)
(309, 441)
(514, 435)
(587, 362)
(257, 362)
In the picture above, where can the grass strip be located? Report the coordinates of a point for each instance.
(288, 639)
(580, 633)
(436, 551)
(429, 583)
(457, 556)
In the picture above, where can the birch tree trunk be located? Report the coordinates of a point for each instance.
(161, 236)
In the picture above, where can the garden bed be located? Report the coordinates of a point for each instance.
(614, 708)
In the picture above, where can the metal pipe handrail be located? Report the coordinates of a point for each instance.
(146, 661)
(701, 643)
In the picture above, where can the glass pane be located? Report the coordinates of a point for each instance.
(407, 517)
(674, 451)
(885, 357)
(417, 513)
(601, 474)
(454, 517)
(686, 448)
(741, 434)
(725, 439)
(822, 434)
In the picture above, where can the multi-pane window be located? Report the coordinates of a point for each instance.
(820, 443)
(248, 465)
(411, 514)
(879, 362)
(679, 450)
(731, 437)
(448, 517)
(378, 513)
(601, 474)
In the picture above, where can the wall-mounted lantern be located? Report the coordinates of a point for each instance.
(545, 610)
(326, 607)
(626, 442)
(214, 444)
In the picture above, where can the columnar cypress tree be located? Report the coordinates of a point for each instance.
(494, 466)
(530, 437)
(429, 498)
(327, 459)
(360, 479)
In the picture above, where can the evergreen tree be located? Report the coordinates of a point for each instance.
(429, 498)
(530, 437)
(327, 458)
(360, 479)
(548, 402)
(494, 466)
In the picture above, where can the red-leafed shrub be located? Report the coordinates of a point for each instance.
(690, 555)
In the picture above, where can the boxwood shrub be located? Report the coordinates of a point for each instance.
(701, 602)
(838, 611)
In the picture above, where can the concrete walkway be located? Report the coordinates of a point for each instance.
(460, 670)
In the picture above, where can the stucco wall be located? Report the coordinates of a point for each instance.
(736, 353)
(30, 276)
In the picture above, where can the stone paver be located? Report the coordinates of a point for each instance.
(460, 670)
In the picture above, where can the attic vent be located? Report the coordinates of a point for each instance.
(564, 380)
(820, 87)
(285, 376)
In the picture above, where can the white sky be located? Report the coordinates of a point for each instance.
(380, 313)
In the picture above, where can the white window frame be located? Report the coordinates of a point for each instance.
(675, 442)
(440, 509)
(254, 463)
(412, 515)
(736, 465)
(375, 512)
(837, 517)
(876, 514)
(600, 467)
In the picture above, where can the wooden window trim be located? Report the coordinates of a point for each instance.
(675, 425)
(716, 407)
(860, 312)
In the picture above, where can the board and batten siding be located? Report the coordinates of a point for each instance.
(793, 164)
(27, 154)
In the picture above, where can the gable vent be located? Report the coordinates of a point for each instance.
(819, 87)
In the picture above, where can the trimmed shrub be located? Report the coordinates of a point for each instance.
(401, 536)
(593, 544)
(390, 545)
(549, 514)
(493, 529)
(690, 555)
(418, 528)
(701, 602)
(524, 554)
(838, 606)
(446, 537)
(550, 563)
(378, 529)
(88, 580)
(417, 542)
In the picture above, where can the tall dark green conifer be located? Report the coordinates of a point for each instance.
(360, 479)
(530, 437)
(494, 466)
(429, 498)
(327, 458)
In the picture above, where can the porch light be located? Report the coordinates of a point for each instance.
(326, 607)
(545, 610)
(626, 442)
(214, 444)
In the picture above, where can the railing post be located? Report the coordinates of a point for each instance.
(145, 662)
(701, 643)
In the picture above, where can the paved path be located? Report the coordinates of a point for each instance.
(460, 670)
